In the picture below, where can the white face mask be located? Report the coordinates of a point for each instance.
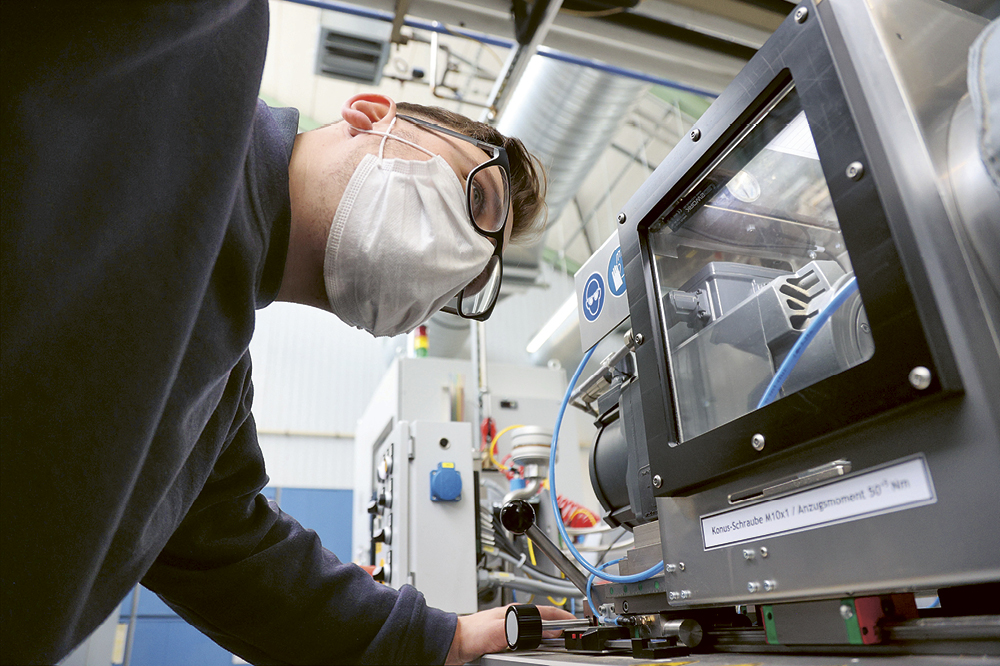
(401, 244)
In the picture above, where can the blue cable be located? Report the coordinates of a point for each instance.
(800, 345)
(590, 585)
(634, 578)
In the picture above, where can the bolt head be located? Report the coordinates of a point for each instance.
(801, 14)
(752, 587)
(770, 585)
(657, 481)
(621, 218)
(639, 339)
(920, 378)
(747, 554)
(855, 170)
(757, 441)
(763, 551)
(695, 134)
(680, 565)
(846, 611)
(670, 568)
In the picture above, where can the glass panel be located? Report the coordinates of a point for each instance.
(489, 198)
(745, 261)
(481, 292)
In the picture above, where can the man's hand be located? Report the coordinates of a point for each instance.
(483, 632)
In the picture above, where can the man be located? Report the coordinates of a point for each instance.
(150, 205)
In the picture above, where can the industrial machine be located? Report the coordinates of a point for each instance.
(426, 489)
(802, 428)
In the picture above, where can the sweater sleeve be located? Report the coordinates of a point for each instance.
(262, 586)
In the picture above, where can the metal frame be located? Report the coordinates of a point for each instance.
(874, 91)
(901, 344)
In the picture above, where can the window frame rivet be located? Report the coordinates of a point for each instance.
(855, 170)
(695, 134)
(920, 378)
(801, 14)
(657, 481)
(757, 442)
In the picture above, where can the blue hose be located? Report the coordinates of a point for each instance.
(590, 585)
(634, 578)
(800, 345)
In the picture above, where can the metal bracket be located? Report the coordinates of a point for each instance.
(396, 37)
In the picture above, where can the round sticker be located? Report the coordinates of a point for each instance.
(616, 273)
(593, 297)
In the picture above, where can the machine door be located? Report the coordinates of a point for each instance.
(768, 277)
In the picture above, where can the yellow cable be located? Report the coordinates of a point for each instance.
(493, 446)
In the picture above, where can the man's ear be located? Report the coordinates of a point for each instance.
(365, 109)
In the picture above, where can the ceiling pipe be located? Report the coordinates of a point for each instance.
(566, 115)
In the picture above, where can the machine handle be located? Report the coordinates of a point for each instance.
(518, 516)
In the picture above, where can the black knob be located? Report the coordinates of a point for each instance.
(383, 535)
(381, 573)
(517, 516)
(373, 506)
(523, 627)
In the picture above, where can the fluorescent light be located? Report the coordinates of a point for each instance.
(552, 325)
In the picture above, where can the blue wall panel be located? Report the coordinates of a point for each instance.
(174, 642)
(326, 512)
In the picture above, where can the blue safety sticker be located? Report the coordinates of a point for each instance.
(616, 273)
(593, 297)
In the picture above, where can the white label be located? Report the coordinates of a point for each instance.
(900, 486)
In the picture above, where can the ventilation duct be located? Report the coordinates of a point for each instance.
(566, 115)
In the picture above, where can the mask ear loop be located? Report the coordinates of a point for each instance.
(387, 135)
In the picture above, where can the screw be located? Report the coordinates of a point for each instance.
(763, 551)
(920, 377)
(801, 14)
(753, 587)
(855, 170)
(639, 339)
(846, 611)
(770, 585)
(657, 481)
(757, 441)
(680, 565)
(812, 254)
(747, 554)
(670, 568)
(621, 218)
(695, 134)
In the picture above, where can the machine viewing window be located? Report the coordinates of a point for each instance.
(746, 262)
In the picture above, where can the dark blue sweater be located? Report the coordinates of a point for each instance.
(145, 217)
